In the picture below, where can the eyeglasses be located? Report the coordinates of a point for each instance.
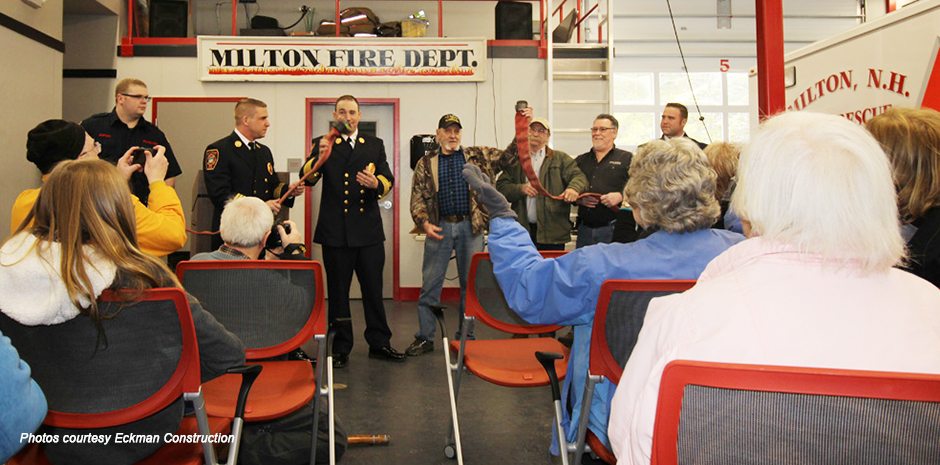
(95, 150)
(538, 130)
(138, 96)
(602, 129)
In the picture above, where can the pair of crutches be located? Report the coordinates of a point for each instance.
(452, 448)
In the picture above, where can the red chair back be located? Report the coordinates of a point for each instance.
(82, 363)
(485, 300)
(621, 309)
(711, 413)
(273, 306)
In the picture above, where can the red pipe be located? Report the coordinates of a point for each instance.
(336, 9)
(771, 95)
(235, 18)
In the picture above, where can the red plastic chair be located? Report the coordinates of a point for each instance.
(68, 374)
(505, 362)
(621, 308)
(710, 413)
(274, 307)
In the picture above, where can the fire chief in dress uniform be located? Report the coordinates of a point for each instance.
(349, 229)
(238, 165)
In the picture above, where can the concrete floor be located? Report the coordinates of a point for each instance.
(409, 402)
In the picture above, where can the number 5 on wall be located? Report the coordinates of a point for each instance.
(724, 65)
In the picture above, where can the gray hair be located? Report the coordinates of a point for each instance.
(673, 186)
(245, 221)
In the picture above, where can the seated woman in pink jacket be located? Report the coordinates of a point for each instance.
(812, 286)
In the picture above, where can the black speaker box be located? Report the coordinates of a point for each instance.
(168, 18)
(421, 145)
(513, 21)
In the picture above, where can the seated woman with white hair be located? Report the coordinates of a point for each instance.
(812, 286)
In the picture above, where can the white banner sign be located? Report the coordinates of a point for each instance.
(340, 59)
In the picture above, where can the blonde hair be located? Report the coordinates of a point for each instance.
(823, 185)
(911, 139)
(124, 84)
(88, 203)
(672, 186)
(246, 107)
(723, 157)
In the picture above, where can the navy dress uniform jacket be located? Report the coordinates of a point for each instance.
(232, 169)
(349, 212)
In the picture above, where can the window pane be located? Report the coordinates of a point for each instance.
(738, 90)
(633, 89)
(739, 127)
(696, 130)
(674, 87)
(635, 128)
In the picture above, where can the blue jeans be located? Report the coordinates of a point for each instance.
(458, 237)
(590, 236)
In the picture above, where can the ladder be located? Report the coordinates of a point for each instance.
(580, 84)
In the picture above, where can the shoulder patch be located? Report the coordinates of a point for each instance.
(211, 159)
(270, 168)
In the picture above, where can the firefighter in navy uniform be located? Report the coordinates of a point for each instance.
(349, 229)
(238, 165)
(125, 127)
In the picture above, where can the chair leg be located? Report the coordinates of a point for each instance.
(547, 359)
(330, 409)
(585, 415)
(202, 420)
(321, 388)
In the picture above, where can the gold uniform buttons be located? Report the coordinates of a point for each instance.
(362, 191)
(362, 210)
(345, 183)
(345, 175)
(345, 202)
(362, 200)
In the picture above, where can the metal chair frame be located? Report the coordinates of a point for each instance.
(315, 327)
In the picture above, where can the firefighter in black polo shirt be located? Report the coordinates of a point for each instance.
(125, 127)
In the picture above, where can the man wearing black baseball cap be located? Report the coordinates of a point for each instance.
(444, 208)
(161, 228)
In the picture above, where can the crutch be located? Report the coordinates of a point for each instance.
(547, 359)
(452, 448)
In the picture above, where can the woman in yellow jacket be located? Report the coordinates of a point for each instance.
(161, 227)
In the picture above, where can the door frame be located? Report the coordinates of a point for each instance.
(396, 126)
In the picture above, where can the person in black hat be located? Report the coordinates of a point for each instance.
(47, 144)
(161, 228)
(444, 209)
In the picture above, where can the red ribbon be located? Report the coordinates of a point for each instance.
(330, 140)
(525, 159)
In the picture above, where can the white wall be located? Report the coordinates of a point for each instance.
(90, 44)
(31, 82)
